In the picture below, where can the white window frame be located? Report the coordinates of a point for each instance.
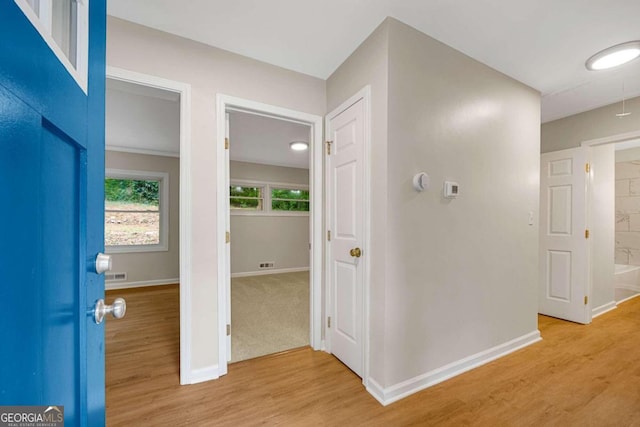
(266, 198)
(43, 24)
(163, 205)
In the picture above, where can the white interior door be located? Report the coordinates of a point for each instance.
(345, 189)
(563, 238)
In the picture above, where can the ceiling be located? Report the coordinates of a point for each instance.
(542, 43)
(259, 139)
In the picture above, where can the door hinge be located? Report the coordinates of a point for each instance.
(586, 300)
(227, 237)
(586, 234)
(329, 235)
(228, 329)
(329, 147)
(226, 143)
(587, 168)
(328, 322)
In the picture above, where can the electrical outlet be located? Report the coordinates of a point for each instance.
(268, 264)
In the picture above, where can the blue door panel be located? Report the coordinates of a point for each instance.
(62, 263)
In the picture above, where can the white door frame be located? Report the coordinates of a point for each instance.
(184, 89)
(365, 95)
(225, 103)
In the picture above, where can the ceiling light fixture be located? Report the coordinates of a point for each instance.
(298, 145)
(614, 56)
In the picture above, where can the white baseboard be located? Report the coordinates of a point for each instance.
(603, 309)
(627, 299)
(401, 390)
(126, 285)
(203, 374)
(270, 271)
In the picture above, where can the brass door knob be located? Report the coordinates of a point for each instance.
(355, 252)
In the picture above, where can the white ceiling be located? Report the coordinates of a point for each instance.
(542, 43)
(260, 139)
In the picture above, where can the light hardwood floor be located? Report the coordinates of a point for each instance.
(577, 376)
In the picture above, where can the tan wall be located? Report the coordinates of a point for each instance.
(161, 266)
(463, 273)
(283, 240)
(209, 71)
(602, 122)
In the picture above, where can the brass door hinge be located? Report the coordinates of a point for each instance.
(329, 235)
(227, 237)
(226, 143)
(587, 168)
(586, 234)
(329, 147)
(228, 329)
(328, 322)
(586, 300)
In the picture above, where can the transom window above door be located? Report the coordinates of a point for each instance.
(63, 24)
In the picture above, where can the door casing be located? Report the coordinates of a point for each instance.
(184, 89)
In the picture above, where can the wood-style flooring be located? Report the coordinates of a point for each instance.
(577, 376)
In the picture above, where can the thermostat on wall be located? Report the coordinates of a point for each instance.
(451, 189)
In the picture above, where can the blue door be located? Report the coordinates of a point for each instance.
(52, 208)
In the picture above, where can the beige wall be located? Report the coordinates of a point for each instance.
(162, 266)
(259, 238)
(602, 122)
(450, 278)
(209, 71)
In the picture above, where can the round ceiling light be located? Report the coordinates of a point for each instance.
(298, 145)
(614, 56)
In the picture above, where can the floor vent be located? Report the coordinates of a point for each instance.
(264, 265)
(115, 277)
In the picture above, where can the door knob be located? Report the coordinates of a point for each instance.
(355, 252)
(103, 263)
(117, 309)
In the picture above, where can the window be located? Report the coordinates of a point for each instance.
(63, 24)
(287, 199)
(136, 211)
(246, 198)
(262, 198)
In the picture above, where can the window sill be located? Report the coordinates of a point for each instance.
(135, 249)
(268, 213)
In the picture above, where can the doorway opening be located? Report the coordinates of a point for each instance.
(147, 198)
(269, 227)
(614, 200)
(249, 194)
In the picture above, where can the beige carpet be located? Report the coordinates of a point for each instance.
(269, 314)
